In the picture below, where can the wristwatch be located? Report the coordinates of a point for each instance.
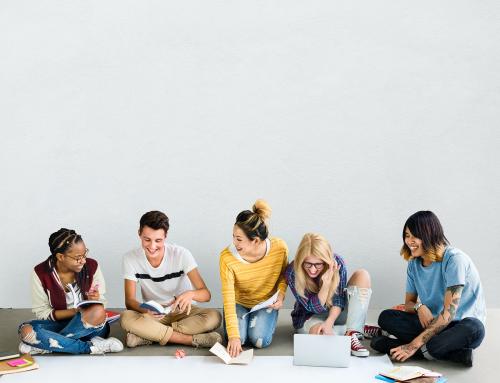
(417, 306)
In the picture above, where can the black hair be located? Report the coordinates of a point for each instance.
(253, 222)
(60, 242)
(425, 226)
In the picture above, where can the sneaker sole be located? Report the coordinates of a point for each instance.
(360, 354)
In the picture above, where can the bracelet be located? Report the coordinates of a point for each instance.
(417, 306)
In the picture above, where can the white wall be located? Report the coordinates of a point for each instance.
(347, 117)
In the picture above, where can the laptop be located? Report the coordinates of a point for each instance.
(321, 350)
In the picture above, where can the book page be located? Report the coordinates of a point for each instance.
(76, 300)
(155, 306)
(409, 372)
(263, 305)
(244, 358)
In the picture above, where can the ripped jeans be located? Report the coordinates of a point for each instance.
(70, 336)
(256, 328)
(353, 316)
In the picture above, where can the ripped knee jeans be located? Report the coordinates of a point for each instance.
(256, 328)
(70, 336)
(353, 316)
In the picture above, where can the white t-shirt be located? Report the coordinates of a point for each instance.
(167, 280)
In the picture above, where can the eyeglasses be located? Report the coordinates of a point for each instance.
(80, 258)
(318, 266)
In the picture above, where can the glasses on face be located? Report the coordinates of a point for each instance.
(317, 266)
(79, 258)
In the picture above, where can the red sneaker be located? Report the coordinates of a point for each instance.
(371, 331)
(357, 349)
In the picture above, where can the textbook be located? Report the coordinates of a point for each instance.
(244, 358)
(76, 299)
(8, 354)
(155, 307)
(407, 373)
(441, 379)
(112, 316)
(25, 363)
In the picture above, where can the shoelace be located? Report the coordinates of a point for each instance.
(372, 330)
(356, 344)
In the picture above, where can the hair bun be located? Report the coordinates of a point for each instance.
(262, 209)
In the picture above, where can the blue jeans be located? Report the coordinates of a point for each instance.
(256, 328)
(465, 333)
(70, 336)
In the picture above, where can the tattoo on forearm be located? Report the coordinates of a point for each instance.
(408, 348)
(456, 294)
(434, 328)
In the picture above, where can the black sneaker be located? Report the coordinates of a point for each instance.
(384, 344)
(463, 356)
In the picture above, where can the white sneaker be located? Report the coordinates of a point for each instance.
(133, 340)
(101, 345)
(27, 349)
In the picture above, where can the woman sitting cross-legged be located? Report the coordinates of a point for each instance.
(60, 327)
(448, 322)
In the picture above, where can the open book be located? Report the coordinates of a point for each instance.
(244, 358)
(263, 305)
(8, 354)
(77, 302)
(404, 373)
(155, 307)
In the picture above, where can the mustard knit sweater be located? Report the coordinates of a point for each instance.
(250, 283)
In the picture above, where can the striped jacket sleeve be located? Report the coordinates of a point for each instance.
(98, 280)
(40, 303)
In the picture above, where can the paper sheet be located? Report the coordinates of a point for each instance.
(263, 305)
(244, 358)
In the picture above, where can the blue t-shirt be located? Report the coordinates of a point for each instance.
(430, 283)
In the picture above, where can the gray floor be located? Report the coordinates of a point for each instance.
(485, 357)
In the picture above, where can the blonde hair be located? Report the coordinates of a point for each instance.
(433, 255)
(317, 246)
(254, 222)
(262, 209)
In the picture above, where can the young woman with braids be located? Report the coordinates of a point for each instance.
(59, 327)
(445, 308)
(252, 271)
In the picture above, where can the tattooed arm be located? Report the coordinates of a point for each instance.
(451, 300)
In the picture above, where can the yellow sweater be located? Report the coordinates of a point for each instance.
(250, 283)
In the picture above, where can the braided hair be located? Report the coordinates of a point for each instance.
(60, 242)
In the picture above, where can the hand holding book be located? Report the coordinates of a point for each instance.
(77, 303)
